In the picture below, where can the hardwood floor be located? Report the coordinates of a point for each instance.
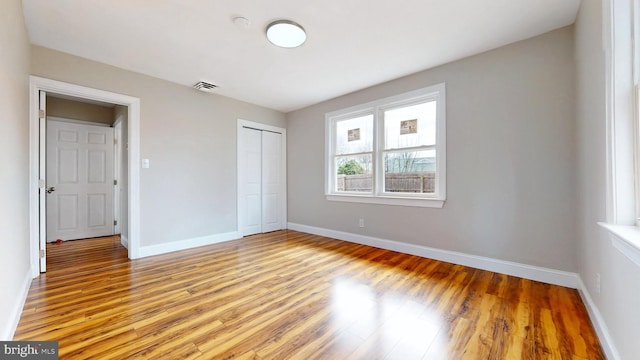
(290, 295)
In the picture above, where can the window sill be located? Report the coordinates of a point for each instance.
(398, 201)
(626, 239)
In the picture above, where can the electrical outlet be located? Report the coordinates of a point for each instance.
(598, 283)
(361, 223)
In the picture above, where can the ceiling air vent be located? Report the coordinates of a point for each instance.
(204, 86)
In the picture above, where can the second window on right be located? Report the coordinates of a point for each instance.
(409, 154)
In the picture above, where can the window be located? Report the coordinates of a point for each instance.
(622, 124)
(636, 87)
(390, 151)
(620, 120)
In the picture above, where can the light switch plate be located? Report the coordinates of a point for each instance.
(145, 163)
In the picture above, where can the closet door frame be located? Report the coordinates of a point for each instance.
(241, 208)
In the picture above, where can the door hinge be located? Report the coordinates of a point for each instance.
(41, 113)
(41, 253)
(115, 182)
(115, 222)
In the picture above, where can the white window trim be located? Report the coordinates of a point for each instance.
(376, 108)
(621, 126)
(635, 58)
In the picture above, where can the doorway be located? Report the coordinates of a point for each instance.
(39, 87)
(82, 167)
(261, 178)
(80, 179)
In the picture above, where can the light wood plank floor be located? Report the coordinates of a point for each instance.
(290, 295)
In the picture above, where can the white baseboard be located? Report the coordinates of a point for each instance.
(550, 276)
(124, 241)
(8, 330)
(151, 250)
(610, 350)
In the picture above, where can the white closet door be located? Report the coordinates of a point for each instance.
(260, 186)
(251, 172)
(79, 181)
(271, 181)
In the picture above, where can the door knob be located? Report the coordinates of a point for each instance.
(50, 189)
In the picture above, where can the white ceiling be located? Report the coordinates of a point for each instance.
(351, 44)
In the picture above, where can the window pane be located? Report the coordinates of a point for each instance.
(354, 135)
(410, 171)
(354, 173)
(410, 126)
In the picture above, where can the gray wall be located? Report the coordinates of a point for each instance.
(14, 163)
(190, 138)
(77, 110)
(619, 299)
(510, 159)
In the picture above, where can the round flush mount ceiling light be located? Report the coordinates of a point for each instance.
(286, 34)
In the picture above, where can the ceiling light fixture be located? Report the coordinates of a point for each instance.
(286, 34)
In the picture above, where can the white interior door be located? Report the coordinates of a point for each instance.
(260, 181)
(79, 181)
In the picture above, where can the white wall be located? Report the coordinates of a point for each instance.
(510, 159)
(619, 299)
(190, 138)
(15, 273)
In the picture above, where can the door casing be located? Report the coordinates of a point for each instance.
(36, 223)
